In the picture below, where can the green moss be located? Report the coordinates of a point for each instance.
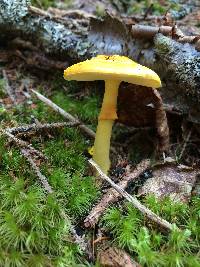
(32, 230)
(2, 88)
(87, 109)
(158, 8)
(129, 230)
(43, 3)
(100, 11)
(49, 3)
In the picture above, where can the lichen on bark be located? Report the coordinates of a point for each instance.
(184, 62)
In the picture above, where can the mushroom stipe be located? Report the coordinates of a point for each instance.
(113, 70)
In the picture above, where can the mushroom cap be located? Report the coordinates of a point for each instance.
(114, 67)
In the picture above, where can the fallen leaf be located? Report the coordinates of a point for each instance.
(172, 181)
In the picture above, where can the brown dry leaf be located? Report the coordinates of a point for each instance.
(133, 105)
(111, 36)
(174, 181)
(114, 257)
(161, 123)
(141, 106)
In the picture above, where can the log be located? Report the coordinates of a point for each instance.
(71, 40)
(18, 19)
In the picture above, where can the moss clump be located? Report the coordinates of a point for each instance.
(32, 229)
(48, 3)
(2, 88)
(157, 8)
(180, 248)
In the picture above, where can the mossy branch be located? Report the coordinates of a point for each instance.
(177, 63)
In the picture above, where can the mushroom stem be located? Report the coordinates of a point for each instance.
(106, 119)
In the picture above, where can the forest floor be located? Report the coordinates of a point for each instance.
(47, 188)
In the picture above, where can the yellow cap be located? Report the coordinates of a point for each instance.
(114, 67)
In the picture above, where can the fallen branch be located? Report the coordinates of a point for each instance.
(41, 127)
(112, 196)
(74, 41)
(148, 213)
(65, 114)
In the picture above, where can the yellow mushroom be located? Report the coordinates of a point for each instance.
(113, 70)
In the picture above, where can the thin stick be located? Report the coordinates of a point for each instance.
(65, 114)
(36, 128)
(112, 196)
(20, 143)
(185, 144)
(42, 178)
(26, 152)
(77, 239)
(7, 87)
(151, 215)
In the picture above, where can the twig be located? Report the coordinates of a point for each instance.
(42, 178)
(22, 144)
(77, 239)
(149, 10)
(37, 128)
(112, 196)
(39, 11)
(77, 13)
(185, 144)
(7, 87)
(151, 215)
(65, 114)
(26, 152)
(148, 32)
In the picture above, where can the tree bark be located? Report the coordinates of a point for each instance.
(74, 40)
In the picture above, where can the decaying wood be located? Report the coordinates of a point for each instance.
(178, 64)
(148, 32)
(112, 195)
(115, 257)
(161, 123)
(65, 114)
(144, 210)
(18, 19)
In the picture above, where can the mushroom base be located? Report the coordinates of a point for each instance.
(102, 144)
